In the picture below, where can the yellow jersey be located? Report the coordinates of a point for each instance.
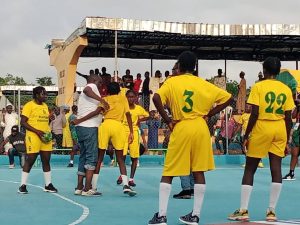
(136, 113)
(244, 119)
(273, 98)
(190, 97)
(38, 115)
(118, 106)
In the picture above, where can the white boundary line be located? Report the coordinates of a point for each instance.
(84, 214)
(279, 222)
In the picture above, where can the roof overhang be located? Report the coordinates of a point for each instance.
(143, 39)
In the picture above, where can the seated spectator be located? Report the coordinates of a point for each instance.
(17, 140)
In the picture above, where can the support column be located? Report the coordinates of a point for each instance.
(65, 58)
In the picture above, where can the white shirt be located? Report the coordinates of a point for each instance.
(87, 105)
(10, 121)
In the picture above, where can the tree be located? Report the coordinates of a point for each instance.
(45, 81)
(10, 79)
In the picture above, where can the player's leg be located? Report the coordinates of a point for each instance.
(12, 152)
(134, 151)
(45, 159)
(30, 159)
(293, 163)
(95, 178)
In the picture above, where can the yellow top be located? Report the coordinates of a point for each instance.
(118, 106)
(38, 115)
(244, 119)
(136, 113)
(190, 97)
(273, 98)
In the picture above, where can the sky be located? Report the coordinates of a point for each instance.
(28, 25)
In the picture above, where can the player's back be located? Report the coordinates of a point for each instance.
(118, 106)
(189, 96)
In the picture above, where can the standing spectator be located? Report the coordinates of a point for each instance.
(127, 80)
(17, 140)
(241, 98)
(87, 132)
(220, 80)
(260, 77)
(167, 74)
(154, 85)
(74, 136)
(97, 72)
(58, 122)
(146, 91)
(137, 83)
(75, 95)
(10, 118)
(35, 119)
(153, 124)
(106, 79)
(92, 72)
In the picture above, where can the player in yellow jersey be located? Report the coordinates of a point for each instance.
(190, 99)
(113, 130)
(266, 134)
(35, 119)
(138, 114)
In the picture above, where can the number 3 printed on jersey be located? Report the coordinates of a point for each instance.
(189, 107)
(270, 98)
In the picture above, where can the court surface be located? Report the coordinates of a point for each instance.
(114, 208)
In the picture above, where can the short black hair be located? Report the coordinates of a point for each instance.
(187, 61)
(131, 91)
(113, 88)
(74, 108)
(272, 65)
(37, 90)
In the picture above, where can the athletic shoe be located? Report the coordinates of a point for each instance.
(260, 165)
(50, 188)
(70, 165)
(131, 183)
(12, 166)
(189, 219)
(119, 181)
(138, 163)
(158, 220)
(184, 194)
(77, 192)
(271, 215)
(127, 190)
(23, 189)
(239, 215)
(289, 177)
(91, 193)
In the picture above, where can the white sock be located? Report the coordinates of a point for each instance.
(245, 196)
(199, 191)
(124, 179)
(274, 194)
(47, 177)
(71, 161)
(95, 181)
(24, 178)
(164, 194)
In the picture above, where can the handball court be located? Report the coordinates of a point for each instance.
(114, 208)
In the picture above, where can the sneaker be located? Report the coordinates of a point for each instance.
(91, 193)
(77, 191)
(138, 163)
(239, 215)
(23, 189)
(289, 177)
(184, 194)
(70, 165)
(50, 188)
(12, 166)
(260, 165)
(131, 183)
(158, 220)
(128, 190)
(271, 215)
(189, 219)
(119, 181)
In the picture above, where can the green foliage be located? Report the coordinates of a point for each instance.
(45, 81)
(26, 98)
(10, 79)
(232, 87)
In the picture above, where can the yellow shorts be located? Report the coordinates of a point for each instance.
(267, 136)
(67, 141)
(134, 147)
(111, 130)
(34, 144)
(189, 149)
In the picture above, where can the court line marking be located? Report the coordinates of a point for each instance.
(280, 222)
(86, 210)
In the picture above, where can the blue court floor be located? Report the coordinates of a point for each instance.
(114, 208)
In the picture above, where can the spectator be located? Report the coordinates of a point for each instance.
(241, 98)
(260, 77)
(127, 80)
(137, 83)
(10, 118)
(220, 80)
(58, 122)
(97, 72)
(92, 72)
(146, 91)
(75, 95)
(154, 85)
(106, 79)
(153, 125)
(74, 136)
(17, 140)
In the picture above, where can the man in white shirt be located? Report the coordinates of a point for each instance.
(10, 118)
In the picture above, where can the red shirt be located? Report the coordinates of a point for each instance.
(136, 85)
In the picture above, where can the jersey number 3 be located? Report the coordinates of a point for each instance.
(270, 98)
(189, 101)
